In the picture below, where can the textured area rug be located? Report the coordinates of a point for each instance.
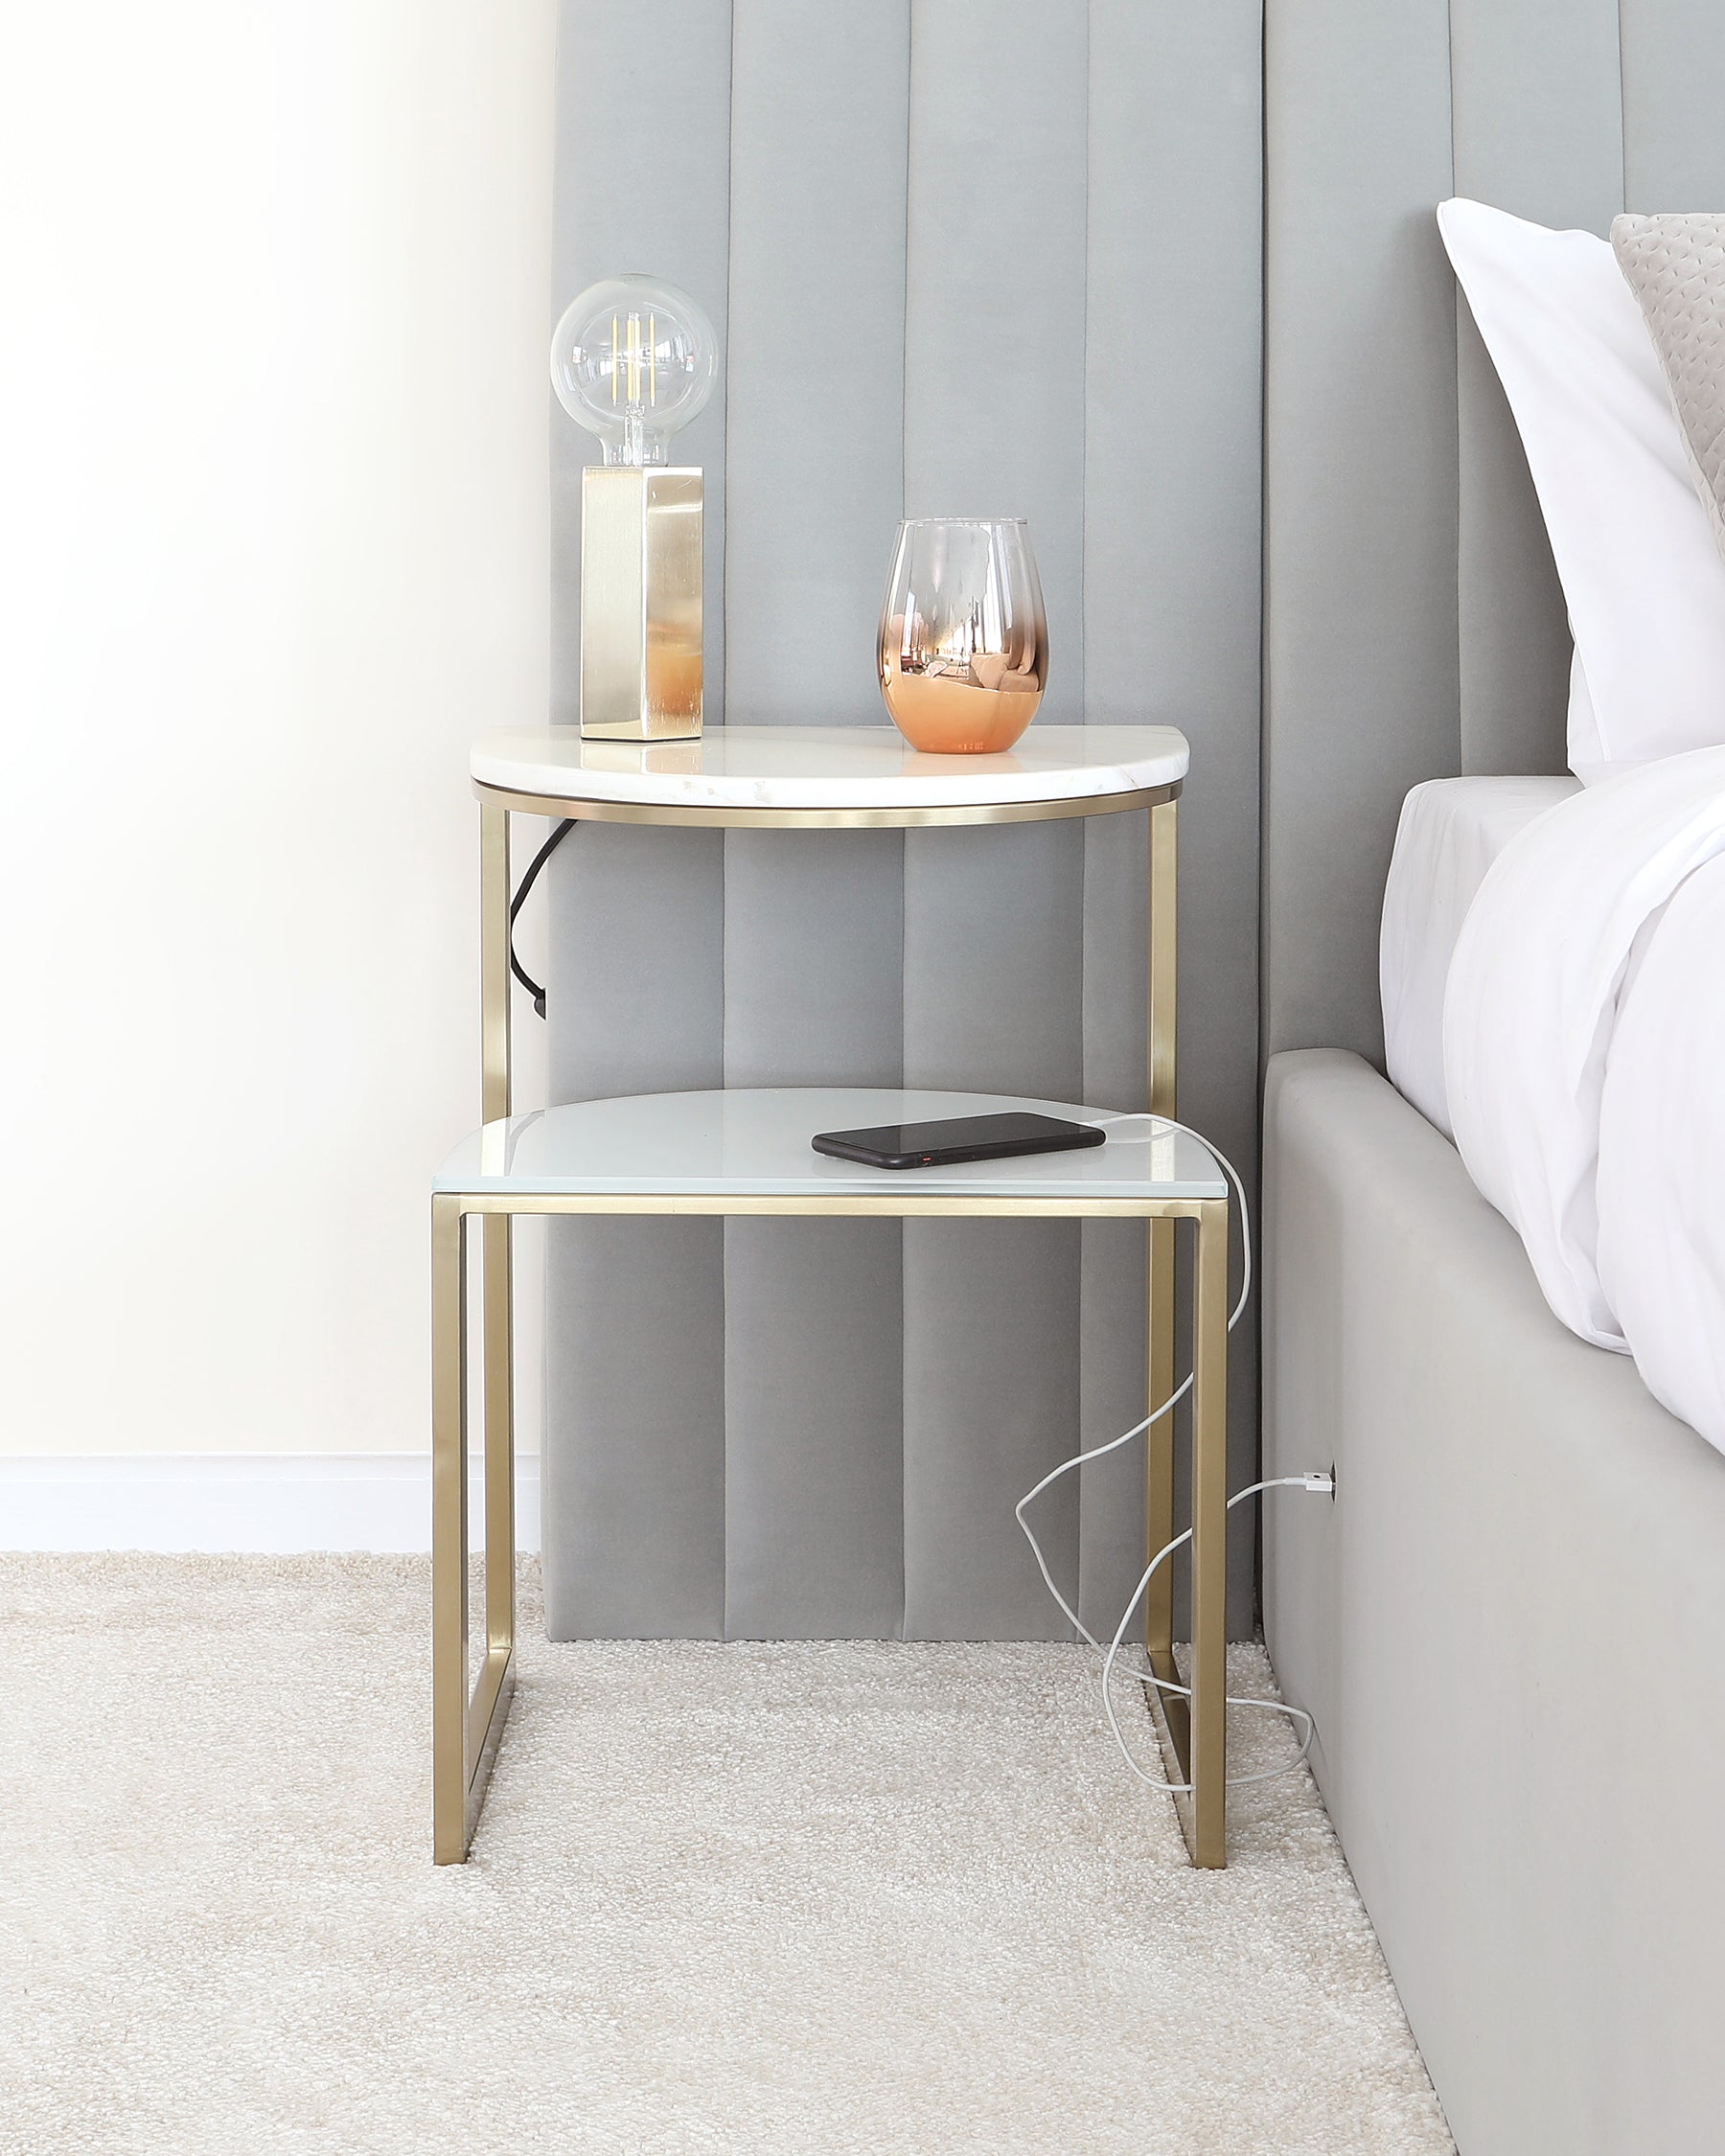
(750, 1898)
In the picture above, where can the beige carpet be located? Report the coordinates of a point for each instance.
(757, 1899)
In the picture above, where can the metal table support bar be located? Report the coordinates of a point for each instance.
(466, 1730)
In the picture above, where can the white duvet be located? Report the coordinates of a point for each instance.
(1584, 1060)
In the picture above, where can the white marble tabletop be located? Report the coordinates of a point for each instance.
(754, 1142)
(829, 768)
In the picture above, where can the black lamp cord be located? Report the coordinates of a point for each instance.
(519, 900)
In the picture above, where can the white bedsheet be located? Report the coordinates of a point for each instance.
(1583, 1049)
(1451, 831)
(1662, 1156)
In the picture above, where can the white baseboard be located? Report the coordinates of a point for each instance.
(270, 1502)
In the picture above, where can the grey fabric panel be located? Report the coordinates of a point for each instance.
(813, 1324)
(994, 969)
(634, 986)
(814, 936)
(1116, 983)
(1673, 93)
(976, 353)
(993, 986)
(643, 156)
(1172, 523)
(634, 1465)
(634, 1481)
(1112, 1299)
(991, 1404)
(813, 1401)
(635, 1002)
(1110, 1399)
(993, 425)
(1537, 108)
(995, 289)
(1538, 131)
(814, 924)
(1112, 1368)
(1510, 1626)
(1171, 564)
(820, 102)
(1361, 676)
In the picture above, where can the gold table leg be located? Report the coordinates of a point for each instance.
(448, 1532)
(465, 1732)
(1208, 1833)
(497, 1092)
(1197, 1731)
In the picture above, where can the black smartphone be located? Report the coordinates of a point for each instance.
(956, 1137)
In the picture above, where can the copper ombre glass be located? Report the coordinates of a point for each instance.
(964, 640)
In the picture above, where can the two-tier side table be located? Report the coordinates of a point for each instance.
(746, 1152)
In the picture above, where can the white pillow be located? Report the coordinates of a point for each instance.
(1644, 583)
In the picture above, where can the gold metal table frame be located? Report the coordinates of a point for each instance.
(466, 1727)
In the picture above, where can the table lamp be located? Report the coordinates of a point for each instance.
(632, 360)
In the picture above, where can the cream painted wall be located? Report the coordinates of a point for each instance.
(273, 307)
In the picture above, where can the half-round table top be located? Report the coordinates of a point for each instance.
(867, 775)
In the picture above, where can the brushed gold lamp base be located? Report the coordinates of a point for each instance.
(640, 603)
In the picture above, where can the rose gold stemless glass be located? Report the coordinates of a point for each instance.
(964, 640)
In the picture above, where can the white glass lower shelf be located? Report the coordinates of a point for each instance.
(748, 1143)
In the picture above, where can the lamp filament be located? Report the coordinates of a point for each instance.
(629, 352)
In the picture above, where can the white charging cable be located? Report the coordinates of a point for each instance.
(1315, 1482)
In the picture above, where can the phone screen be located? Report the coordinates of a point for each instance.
(962, 1129)
(956, 1137)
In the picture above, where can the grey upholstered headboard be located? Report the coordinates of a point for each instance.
(1007, 256)
(1413, 626)
(939, 235)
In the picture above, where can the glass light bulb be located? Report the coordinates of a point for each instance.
(633, 360)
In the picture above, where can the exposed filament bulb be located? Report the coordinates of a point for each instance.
(633, 360)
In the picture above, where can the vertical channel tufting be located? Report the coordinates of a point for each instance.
(633, 1469)
(993, 425)
(1360, 659)
(1171, 554)
(1537, 128)
(815, 925)
(816, 412)
(635, 1335)
(1112, 1280)
(993, 1002)
(927, 227)
(1673, 58)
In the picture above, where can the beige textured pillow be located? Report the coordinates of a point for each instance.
(1675, 266)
